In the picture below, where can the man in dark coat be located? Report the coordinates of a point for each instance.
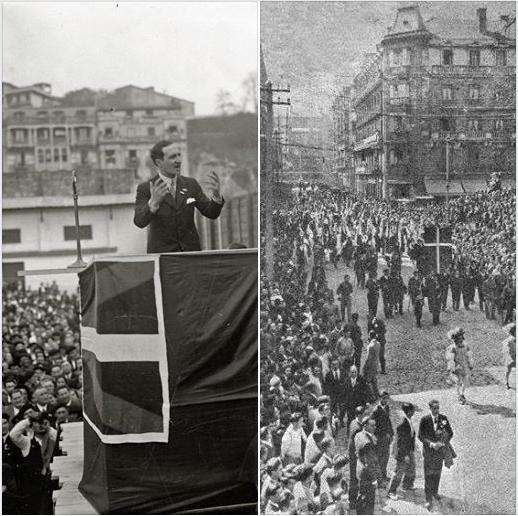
(404, 453)
(367, 469)
(443, 278)
(356, 335)
(372, 295)
(166, 203)
(334, 386)
(468, 288)
(344, 292)
(435, 433)
(356, 393)
(386, 294)
(432, 293)
(354, 428)
(456, 289)
(384, 434)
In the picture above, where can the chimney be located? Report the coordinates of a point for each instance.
(482, 20)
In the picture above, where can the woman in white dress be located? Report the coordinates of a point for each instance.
(459, 358)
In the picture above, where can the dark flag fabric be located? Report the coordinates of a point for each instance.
(169, 346)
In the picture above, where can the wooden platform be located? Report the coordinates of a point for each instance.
(69, 468)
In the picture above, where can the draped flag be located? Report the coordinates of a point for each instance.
(169, 346)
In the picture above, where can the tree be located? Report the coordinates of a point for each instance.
(249, 99)
(224, 103)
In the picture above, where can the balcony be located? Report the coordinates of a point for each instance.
(10, 120)
(367, 170)
(116, 137)
(473, 71)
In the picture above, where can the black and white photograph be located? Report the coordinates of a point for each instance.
(130, 257)
(387, 251)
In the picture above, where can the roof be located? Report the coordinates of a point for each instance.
(131, 97)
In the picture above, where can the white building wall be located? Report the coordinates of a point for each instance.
(43, 245)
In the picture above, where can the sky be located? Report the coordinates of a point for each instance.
(296, 39)
(189, 50)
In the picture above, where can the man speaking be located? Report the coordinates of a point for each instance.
(166, 203)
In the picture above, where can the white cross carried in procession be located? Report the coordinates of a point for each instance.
(437, 244)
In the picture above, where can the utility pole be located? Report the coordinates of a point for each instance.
(269, 165)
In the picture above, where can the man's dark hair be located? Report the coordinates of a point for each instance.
(157, 151)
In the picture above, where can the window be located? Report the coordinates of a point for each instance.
(149, 112)
(447, 93)
(108, 131)
(173, 129)
(129, 113)
(56, 155)
(110, 157)
(499, 125)
(132, 155)
(474, 57)
(447, 57)
(59, 115)
(64, 155)
(19, 135)
(19, 115)
(81, 113)
(84, 157)
(393, 157)
(85, 232)
(473, 125)
(446, 124)
(82, 134)
(474, 92)
(42, 134)
(501, 57)
(48, 155)
(151, 131)
(11, 236)
(41, 156)
(42, 113)
(403, 90)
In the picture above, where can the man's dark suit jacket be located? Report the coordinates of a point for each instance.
(383, 423)
(356, 396)
(428, 435)
(335, 389)
(404, 444)
(172, 228)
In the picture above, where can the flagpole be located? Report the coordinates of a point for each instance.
(438, 247)
(79, 263)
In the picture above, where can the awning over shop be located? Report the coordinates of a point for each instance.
(439, 187)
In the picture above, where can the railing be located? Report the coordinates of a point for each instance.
(475, 71)
(116, 137)
(49, 120)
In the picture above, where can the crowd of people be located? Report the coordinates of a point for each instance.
(41, 390)
(319, 367)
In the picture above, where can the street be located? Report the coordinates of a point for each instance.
(482, 479)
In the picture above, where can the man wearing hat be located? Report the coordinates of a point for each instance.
(404, 453)
(459, 360)
(384, 434)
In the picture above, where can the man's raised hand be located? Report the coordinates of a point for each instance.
(158, 191)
